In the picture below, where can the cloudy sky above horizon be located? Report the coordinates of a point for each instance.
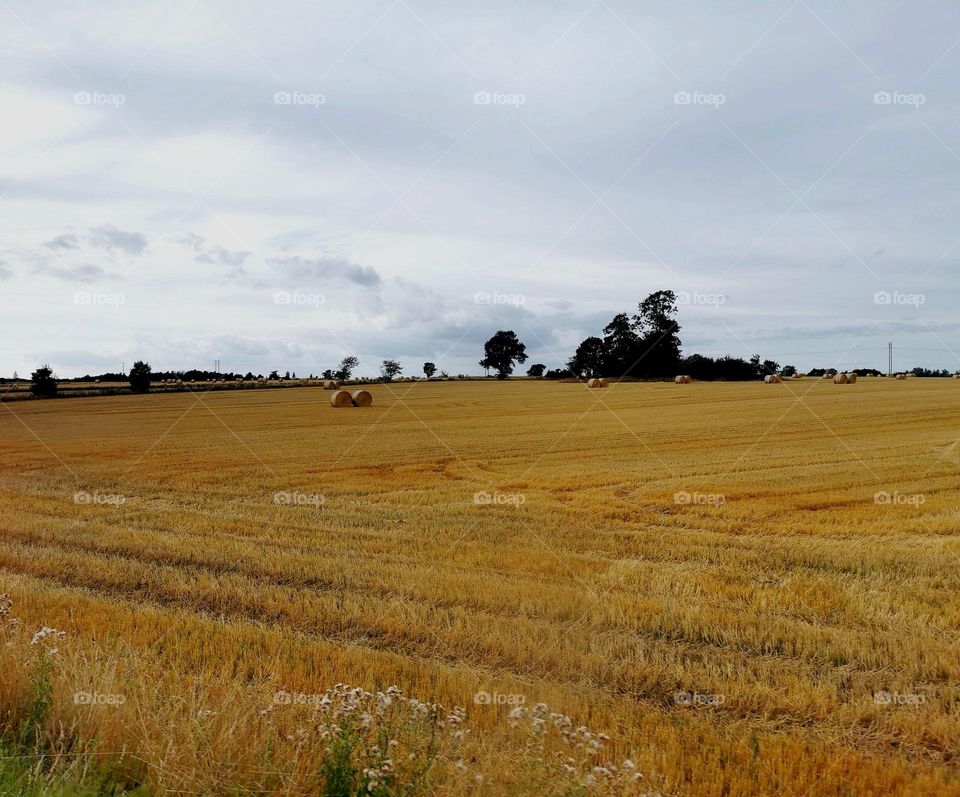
(277, 186)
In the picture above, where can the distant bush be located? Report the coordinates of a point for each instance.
(558, 373)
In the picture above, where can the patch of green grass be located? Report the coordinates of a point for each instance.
(26, 768)
(28, 776)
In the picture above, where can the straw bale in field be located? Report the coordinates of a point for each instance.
(341, 398)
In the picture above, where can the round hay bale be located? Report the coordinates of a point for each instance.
(773, 379)
(955, 376)
(851, 379)
(328, 384)
(362, 398)
(341, 398)
(901, 376)
(840, 379)
(604, 382)
(681, 379)
(593, 383)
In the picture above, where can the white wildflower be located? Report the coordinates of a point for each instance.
(44, 632)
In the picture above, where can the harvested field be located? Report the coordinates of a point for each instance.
(750, 591)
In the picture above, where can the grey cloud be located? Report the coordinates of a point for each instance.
(192, 241)
(326, 267)
(222, 257)
(108, 237)
(86, 272)
(215, 255)
(67, 240)
(5, 273)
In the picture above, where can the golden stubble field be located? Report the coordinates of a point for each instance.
(704, 572)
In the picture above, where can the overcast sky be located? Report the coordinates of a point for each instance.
(276, 185)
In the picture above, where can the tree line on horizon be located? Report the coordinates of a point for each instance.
(642, 345)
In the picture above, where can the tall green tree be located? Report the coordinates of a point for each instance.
(140, 377)
(502, 351)
(589, 359)
(429, 369)
(43, 384)
(659, 332)
(390, 370)
(621, 346)
(345, 371)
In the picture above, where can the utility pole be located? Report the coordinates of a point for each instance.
(890, 358)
